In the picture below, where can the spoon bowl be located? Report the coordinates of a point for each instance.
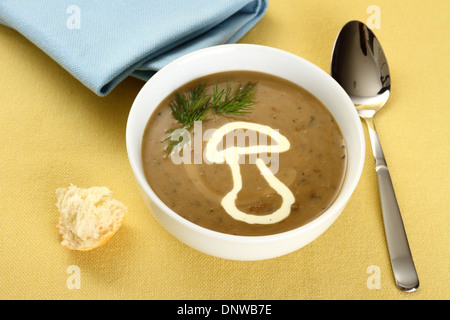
(360, 66)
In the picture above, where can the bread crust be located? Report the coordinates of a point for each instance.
(90, 207)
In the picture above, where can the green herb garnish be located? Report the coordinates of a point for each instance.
(195, 105)
(191, 107)
(238, 103)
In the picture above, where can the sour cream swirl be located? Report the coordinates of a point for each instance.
(231, 155)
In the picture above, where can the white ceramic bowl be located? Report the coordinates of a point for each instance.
(253, 58)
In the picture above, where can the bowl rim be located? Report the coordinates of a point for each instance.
(334, 209)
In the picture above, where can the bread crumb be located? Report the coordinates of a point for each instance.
(88, 217)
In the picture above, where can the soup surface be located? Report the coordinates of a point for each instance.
(312, 168)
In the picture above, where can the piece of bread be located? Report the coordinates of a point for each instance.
(88, 217)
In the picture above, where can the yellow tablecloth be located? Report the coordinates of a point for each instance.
(54, 131)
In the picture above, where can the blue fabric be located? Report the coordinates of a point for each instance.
(102, 42)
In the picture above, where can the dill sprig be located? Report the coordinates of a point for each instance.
(172, 144)
(238, 103)
(196, 104)
(191, 107)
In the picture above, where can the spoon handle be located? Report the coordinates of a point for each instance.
(401, 259)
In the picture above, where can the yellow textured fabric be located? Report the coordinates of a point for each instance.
(54, 131)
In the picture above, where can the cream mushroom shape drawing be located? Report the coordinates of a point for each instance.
(231, 155)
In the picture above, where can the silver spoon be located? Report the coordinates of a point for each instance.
(359, 65)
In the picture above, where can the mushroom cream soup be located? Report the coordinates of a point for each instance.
(269, 159)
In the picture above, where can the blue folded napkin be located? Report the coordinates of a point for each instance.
(102, 42)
